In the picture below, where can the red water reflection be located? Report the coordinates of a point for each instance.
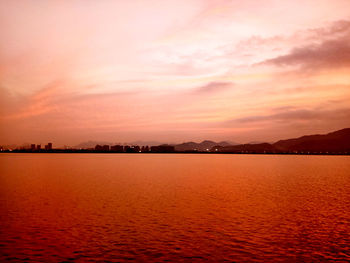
(80, 207)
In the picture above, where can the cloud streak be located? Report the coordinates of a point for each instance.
(291, 115)
(329, 54)
(213, 87)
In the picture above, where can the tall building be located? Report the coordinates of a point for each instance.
(127, 148)
(48, 147)
(137, 149)
(132, 149)
(117, 148)
(100, 148)
(105, 148)
(38, 147)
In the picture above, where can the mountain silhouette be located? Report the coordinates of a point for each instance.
(91, 144)
(334, 142)
(202, 146)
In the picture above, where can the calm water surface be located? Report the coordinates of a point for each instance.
(174, 207)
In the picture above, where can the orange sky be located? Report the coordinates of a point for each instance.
(172, 71)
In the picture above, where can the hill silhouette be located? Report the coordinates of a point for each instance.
(334, 141)
(338, 141)
(202, 146)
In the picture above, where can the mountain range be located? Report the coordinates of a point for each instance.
(186, 146)
(92, 144)
(202, 146)
(338, 141)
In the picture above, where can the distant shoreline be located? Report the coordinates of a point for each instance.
(187, 152)
(333, 143)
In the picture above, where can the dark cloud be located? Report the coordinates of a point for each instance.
(337, 28)
(213, 87)
(290, 114)
(338, 31)
(328, 54)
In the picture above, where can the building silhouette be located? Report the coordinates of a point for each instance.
(144, 149)
(117, 148)
(48, 147)
(137, 149)
(131, 149)
(163, 149)
(102, 148)
(105, 148)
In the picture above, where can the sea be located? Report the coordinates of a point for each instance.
(174, 208)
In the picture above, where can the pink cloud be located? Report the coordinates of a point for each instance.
(329, 54)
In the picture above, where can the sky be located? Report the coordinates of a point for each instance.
(172, 71)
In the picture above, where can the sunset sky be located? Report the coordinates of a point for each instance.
(172, 71)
